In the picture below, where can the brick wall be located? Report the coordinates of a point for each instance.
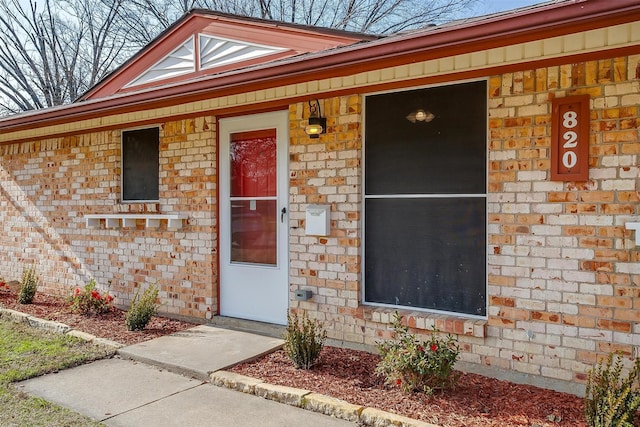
(48, 186)
(564, 276)
(328, 171)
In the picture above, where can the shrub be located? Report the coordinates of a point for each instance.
(611, 400)
(415, 365)
(89, 300)
(303, 340)
(28, 286)
(142, 309)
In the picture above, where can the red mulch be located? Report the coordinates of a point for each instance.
(349, 375)
(110, 325)
(476, 401)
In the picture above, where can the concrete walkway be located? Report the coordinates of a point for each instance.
(179, 380)
(201, 350)
(127, 393)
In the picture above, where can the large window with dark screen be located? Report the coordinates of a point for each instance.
(140, 165)
(425, 198)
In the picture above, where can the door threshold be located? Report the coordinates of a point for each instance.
(251, 326)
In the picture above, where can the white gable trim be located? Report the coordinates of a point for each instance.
(179, 62)
(218, 51)
(211, 52)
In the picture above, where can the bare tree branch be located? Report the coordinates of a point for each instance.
(52, 51)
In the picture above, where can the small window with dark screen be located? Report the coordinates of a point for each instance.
(140, 165)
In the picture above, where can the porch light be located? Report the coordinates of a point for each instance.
(420, 116)
(316, 123)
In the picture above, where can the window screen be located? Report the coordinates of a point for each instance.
(425, 199)
(140, 165)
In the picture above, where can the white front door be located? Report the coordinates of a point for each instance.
(254, 239)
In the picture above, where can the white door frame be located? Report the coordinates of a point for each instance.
(251, 291)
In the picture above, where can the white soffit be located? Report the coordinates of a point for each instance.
(180, 61)
(216, 51)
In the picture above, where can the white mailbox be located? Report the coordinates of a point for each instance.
(318, 220)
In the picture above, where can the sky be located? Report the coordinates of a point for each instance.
(484, 7)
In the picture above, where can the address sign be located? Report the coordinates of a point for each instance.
(570, 139)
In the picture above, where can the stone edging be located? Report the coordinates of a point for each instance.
(313, 402)
(300, 398)
(57, 327)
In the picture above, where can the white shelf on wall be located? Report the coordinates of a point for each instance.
(174, 221)
(634, 226)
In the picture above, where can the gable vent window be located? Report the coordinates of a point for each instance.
(425, 199)
(140, 165)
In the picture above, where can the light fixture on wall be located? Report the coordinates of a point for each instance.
(316, 124)
(420, 115)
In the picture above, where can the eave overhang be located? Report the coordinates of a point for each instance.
(543, 22)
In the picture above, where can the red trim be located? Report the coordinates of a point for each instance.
(546, 21)
(217, 212)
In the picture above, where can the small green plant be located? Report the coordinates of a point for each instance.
(89, 300)
(610, 399)
(303, 340)
(142, 309)
(415, 365)
(28, 286)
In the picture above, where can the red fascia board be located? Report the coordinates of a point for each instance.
(301, 39)
(544, 22)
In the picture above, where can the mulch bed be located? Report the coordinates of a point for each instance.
(110, 325)
(350, 375)
(476, 401)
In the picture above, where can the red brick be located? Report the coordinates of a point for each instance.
(545, 316)
(580, 321)
(562, 197)
(578, 231)
(618, 302)
(502, 301)
(614, 325)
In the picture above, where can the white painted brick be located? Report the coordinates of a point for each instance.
(562, 219)
(546, 295)
(618, 185)
(595, 334)
(582, 299)
(562, 308)
(517, 187)
(562, 241)
(516, 271)
(578, 253)
(530, 261)
(501, 260)
(560, 374)
(516, 208)
(530, 197)
(562, 286)
(545, 273)
(597, 220)
(547, 186)
(628, 268)
(546, 230)
(596, 289)
(579, 276)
